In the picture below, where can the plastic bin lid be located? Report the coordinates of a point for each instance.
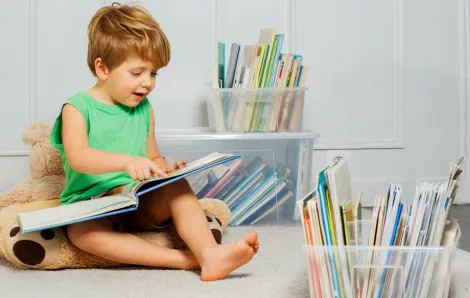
(208, 134)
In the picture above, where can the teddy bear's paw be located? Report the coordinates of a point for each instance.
(215, 225)
(33, 250)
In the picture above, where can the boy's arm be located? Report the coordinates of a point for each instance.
(153, 152)
(80, 156)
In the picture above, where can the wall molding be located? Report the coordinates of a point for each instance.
(14, 152)
(362, 144)
(398, 140)
(290, 28)
(465, 71)
(33, 13)
(33, 51)
(215, 30)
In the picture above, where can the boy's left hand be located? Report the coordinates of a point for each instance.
(176, 166)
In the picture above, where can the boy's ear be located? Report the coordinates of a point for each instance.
(102, 71)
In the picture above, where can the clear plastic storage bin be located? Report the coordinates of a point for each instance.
(256, 109)
(260, 188)
(377, 271)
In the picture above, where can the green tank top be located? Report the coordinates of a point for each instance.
(112, 128)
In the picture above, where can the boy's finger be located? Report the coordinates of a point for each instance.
(140, 174)
(146, 173)
(157, 170)
(161, 173)
(133, 175)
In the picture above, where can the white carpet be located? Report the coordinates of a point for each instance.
(279, 270)
(460, 279)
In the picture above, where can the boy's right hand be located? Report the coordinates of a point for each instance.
(142, 168)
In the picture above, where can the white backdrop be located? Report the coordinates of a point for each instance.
(388, 80)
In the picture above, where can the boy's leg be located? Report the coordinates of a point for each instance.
(179, 201)
(99, 238)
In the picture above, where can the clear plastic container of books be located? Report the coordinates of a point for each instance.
(262, 186)
(256, 109)
(362, 270)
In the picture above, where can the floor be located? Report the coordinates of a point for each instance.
(279, 270)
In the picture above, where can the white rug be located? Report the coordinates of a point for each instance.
(278, 270)
(460, 279)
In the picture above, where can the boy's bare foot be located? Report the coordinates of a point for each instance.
(225, 258)
(256, 245)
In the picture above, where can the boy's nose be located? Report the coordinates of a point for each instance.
(146, 82)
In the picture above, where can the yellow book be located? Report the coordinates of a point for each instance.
(253, 64)
(330, 218)
(333, 238)
(251, 118)
(346, 209)
(259, 65)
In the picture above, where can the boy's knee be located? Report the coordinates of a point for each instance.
(84, 235)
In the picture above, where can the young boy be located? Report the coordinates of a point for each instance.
(106, 137)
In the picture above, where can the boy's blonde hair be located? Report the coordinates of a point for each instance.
(115, 32)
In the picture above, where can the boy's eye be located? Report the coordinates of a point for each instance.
(137, 73)
(154, 74)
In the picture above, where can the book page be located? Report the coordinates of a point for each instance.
(73, 212)
(190, 167)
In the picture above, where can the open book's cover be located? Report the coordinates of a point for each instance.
(31, 221)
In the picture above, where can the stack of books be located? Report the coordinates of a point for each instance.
(252, 191)
(260, 66)
(380, 257)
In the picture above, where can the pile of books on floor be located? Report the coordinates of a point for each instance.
(262, 66)
(252, 191)
(400, 252)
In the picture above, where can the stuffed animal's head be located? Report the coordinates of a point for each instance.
(44, 159)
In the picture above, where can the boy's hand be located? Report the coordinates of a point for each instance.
(177, 165)
(143, 168)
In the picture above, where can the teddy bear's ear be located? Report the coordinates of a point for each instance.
(36, 132)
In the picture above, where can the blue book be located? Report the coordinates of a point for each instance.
(127, 201)
(221, 64)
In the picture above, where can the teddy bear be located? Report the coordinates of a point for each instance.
(51, 249)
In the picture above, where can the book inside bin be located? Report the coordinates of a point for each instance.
(261, 187)
(360, 270)
(256, 109)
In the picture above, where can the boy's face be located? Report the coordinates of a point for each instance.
(131, 82)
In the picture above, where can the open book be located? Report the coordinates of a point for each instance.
(112, 204)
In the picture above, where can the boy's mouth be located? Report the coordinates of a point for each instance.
(138, 94)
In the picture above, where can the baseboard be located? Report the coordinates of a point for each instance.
(371, 189)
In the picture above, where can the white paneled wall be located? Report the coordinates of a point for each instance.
(16, 80)
(388, 80)
(389, 86)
